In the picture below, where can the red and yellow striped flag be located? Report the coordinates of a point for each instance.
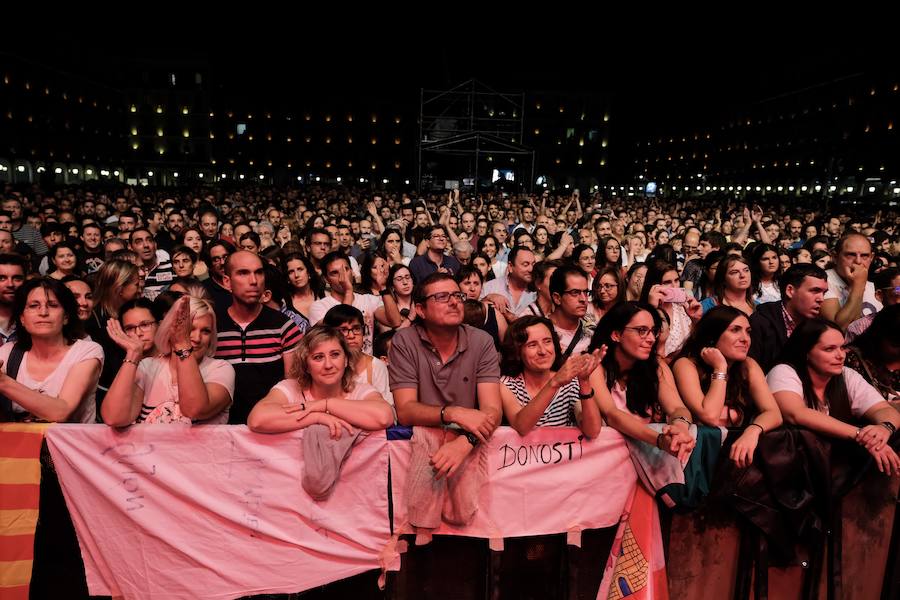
(20, 492)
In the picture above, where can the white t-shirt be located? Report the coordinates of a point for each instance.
(380, 379)
(367, 305)
(80, 351)
(566, 336)
(783, 378)
(155, 377)
(292, 391)
(838, 288)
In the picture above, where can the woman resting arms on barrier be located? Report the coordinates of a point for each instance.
(723, 386)
(323, 389)
(815, 390)
(57, 370)
(537, 391)
(642, 387)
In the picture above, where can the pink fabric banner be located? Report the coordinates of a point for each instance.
(551, 481)
(215, 512)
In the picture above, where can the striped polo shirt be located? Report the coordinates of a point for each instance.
(255, 353)
(158, 279)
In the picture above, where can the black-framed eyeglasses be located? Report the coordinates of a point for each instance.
(577, 293)
(444, 297)
(353, 330)
(143, 327)
(643, 332)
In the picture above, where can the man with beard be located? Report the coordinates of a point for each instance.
(434, 260)
(219, 251)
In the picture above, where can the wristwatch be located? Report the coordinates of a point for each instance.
(473, 439)
(183, 354)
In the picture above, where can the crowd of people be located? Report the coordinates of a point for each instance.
(345, 310)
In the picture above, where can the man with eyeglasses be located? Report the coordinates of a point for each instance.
(695, 248)
(445, 378)
(318, 244)
(434, 260)
(339, 276)
(887, 291)
(570, 295)
(513, 292)
(219, 251)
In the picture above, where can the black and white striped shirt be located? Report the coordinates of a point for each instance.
(560, 412)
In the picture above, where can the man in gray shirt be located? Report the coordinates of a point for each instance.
(445, 377)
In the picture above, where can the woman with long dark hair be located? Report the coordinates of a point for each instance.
(662, 289)
(765, 268)
(400, 283)
(816, 391)
(733, 285)
(609, 254)
(304, 283)
(721, 385)
(642, 387)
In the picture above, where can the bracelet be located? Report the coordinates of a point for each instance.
(128, 360)
(326, 407)
(585, 396)
(889, 426)
(659, 437)
(761, 430)
(443, 422)
(718, 375)
(856, 436)
(688, 423)
(472, 438)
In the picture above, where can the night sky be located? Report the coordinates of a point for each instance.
(662, 76)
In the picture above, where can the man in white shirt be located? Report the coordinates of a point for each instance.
(850, 295)
(511, 293)
(337, 272)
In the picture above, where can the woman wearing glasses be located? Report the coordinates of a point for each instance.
(539, 389)
(489, 319)
(184, 384)
(56, 370)
(608, 290)
(642, 387)
(369, 370)
(138, 319)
